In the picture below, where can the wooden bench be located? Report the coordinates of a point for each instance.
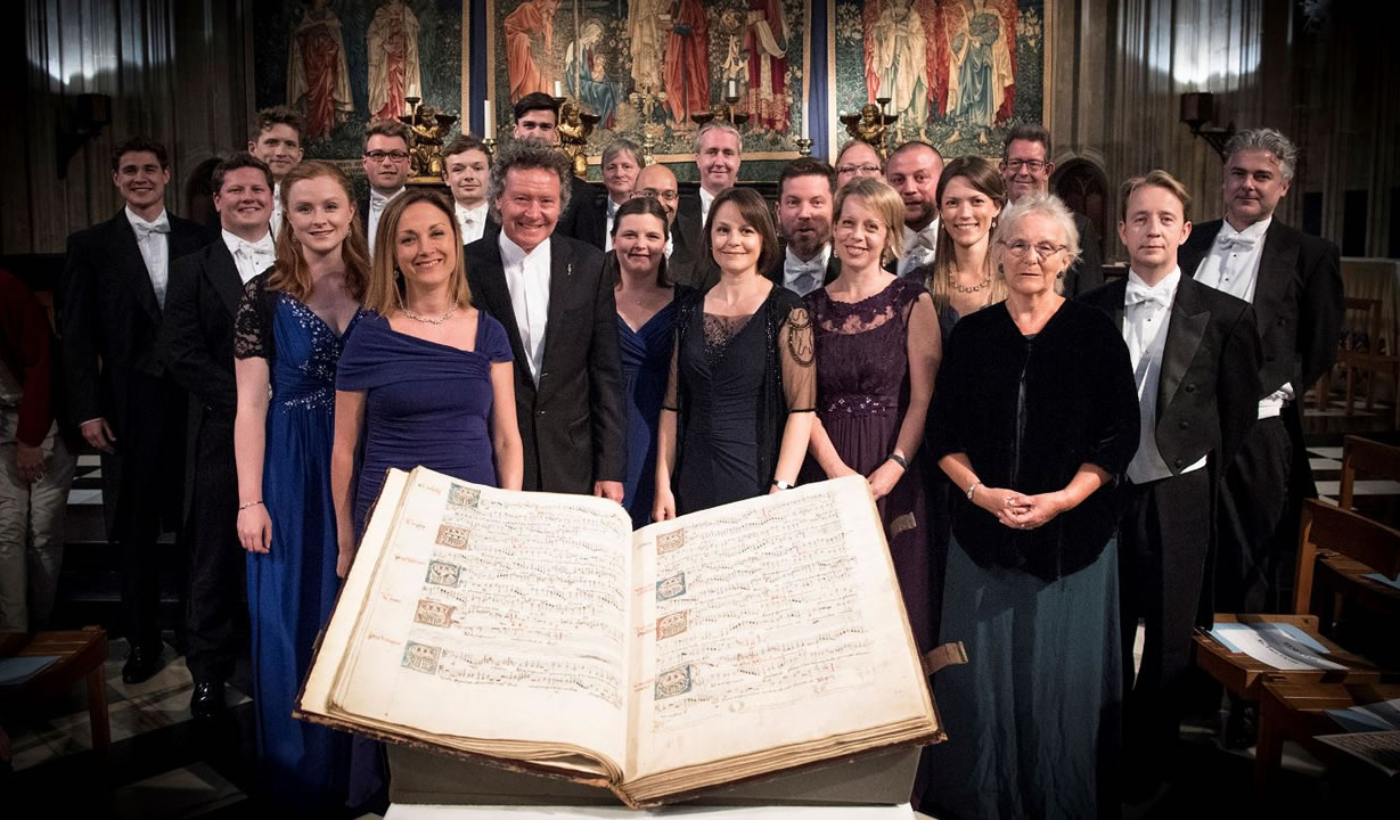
(1297, 711)
(80, 655)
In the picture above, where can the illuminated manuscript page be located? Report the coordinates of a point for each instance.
(496, 614)
(770, 622)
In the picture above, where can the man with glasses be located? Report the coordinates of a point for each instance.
(1026, 169)
(858, 159)
(657, 182)
(386, 164)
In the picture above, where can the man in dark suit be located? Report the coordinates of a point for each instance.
(622, 163)
(718, 155)
(128, 406)
(1294, 282)
(1195, 355)
(466, 168)
(659, 183)
(537, 118)
(276, 139)
(558, 309)
(386, 162)
(806, 190)
(1026, 169)
(197, 345)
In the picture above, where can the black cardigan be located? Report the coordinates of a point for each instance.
(1080, 406)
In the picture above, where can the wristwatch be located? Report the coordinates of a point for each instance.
(782, 485)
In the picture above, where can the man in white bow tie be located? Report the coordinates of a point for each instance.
(913, 171)
(467, 172)
(1294, 282)
(118, 389)
(197, 346)
(276, 140)
(806, 193)
(1195, 356)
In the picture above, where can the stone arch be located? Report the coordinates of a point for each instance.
(1082, 184)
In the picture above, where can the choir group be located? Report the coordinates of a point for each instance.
(1055, 459)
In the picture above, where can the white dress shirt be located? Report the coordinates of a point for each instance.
(153, 238)
(1146, 314)
(1232, 266)
(919, 248)
(377, 201)
(275, 222)
(251, 258)
(472, 221)
(804, 277)
(670, 242)
(706, 200)
(608, 231)
(527, 279)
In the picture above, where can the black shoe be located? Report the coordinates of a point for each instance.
(141, 663)
(207, 700)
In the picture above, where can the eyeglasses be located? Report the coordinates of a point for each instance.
(666, 196)
(863, 169)
(1043, 250)
(1035, 166)
(380, 156)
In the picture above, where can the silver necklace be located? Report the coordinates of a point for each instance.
(426, 320)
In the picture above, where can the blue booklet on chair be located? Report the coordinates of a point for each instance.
(14, 671)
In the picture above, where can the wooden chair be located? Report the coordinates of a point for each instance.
(1349, 546)
(1335, 549)
(1297, 711)
(1362, 354)
(81, 655)
(1368, 458)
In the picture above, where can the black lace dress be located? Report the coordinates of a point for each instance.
(734, 380)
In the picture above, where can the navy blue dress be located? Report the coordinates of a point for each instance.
(646, 364)
(426, 404)
(292, 588)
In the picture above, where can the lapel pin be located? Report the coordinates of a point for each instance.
(569, 269)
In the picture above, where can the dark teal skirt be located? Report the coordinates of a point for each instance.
(1033, 717)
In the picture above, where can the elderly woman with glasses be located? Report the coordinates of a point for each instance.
(1034, 419)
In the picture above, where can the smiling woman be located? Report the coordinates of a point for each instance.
(744, 338)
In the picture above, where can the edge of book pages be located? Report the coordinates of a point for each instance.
(320, 677)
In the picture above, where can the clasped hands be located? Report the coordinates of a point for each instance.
(1018, 510)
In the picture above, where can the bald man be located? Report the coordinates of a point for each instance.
(658, 182)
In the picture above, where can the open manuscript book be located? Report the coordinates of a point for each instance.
(539, 631)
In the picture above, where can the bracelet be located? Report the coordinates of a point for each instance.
(898, 459)
(782, 485)
(242, 507)
(972, 489)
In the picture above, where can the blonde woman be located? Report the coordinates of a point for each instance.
(878, 348)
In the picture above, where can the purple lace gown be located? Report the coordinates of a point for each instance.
(862, 395)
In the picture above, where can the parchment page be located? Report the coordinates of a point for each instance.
(498, 615)
(767, 622)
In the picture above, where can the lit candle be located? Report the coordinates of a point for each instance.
(489, 128)
(804, 123)
(558, 89)
(733, 89)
